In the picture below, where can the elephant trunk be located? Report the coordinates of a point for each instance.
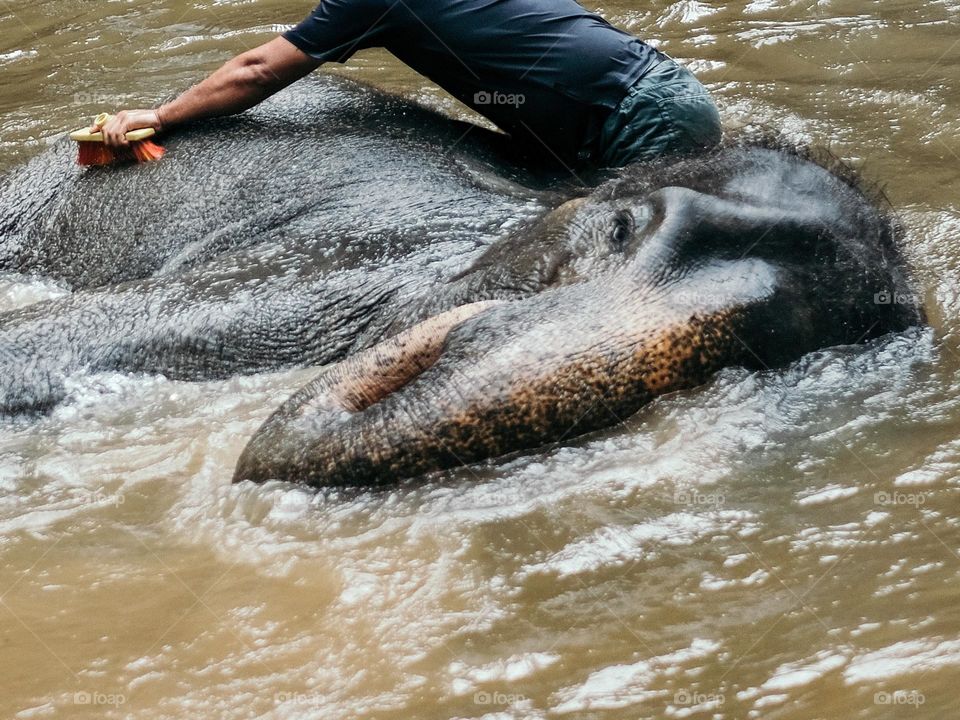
(334, 417)
(488, 379)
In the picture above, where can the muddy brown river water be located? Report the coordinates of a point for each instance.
(774, 545)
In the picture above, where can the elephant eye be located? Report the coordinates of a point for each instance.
(622, 229)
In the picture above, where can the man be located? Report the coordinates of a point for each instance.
(559, 80)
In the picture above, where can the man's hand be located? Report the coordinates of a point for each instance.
(116, 129)
(241, 83)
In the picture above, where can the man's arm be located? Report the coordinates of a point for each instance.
(241, 83)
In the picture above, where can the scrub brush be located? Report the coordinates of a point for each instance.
(94, 152)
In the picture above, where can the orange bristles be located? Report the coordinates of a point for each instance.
(146, 150)
(93, 151)
(96, 153)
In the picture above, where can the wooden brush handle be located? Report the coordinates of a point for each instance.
(88, 134)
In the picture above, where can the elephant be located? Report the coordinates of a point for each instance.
(462, 306)
(309, 228)
(750, 256)
(316, 167)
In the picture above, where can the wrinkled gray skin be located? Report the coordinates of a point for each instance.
(316, 167)
(748, 257)
(475, 313)
(313, 226)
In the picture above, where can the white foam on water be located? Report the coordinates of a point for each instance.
(466, 679)
(14, 55)
(796, 675)
(612, 547)
(687, 12)
(826, 495)
(903, 659)
(19, 290)
(621, 686)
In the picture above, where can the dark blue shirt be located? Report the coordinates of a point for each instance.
(546, 70)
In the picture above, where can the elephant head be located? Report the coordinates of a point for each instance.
(751, 256)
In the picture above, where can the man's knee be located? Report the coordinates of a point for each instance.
(668, 113)
(695, 122)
